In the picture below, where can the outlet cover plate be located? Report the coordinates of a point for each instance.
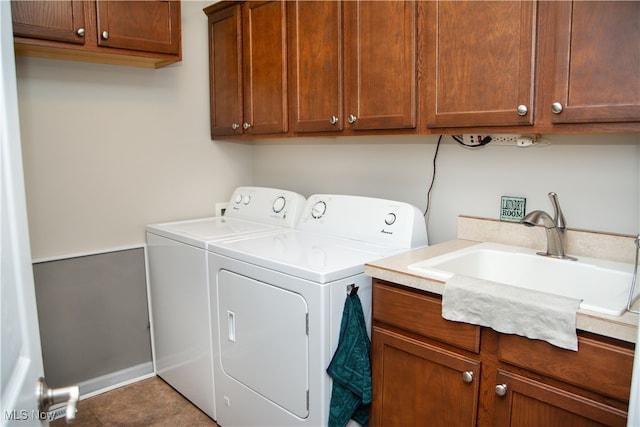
(512, 208)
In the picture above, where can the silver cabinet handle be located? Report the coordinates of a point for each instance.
(50, 396)
(246, 125)
(80, 32)
(556, 108)
(235, 126)
(105, 35)
(522, 110)
(333, 120)
(467, 377)
(501, 389)
(352, 119)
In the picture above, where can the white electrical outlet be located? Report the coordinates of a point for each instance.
(220, 208)
(498, 139)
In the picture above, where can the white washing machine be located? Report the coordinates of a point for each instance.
(277, 302)
(178, 284)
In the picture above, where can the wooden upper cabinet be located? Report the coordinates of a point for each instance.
(316, 73)
(597, 69)
(248, 67)
(144, 33)
(264, 47)
(49, 20)
(352, 65)
(380, 64)
(151, 26)
(479, 63)
(225, 71)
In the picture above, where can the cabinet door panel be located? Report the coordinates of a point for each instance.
(264, 41)
(532, 403)
(315, 65)
(225, 71)
(380, 64)
(151, 26)
(597, 62)
(49, 20)
(480, 63)
(414, 383)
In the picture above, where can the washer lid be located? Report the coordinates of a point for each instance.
(306, 255)
(198, 232)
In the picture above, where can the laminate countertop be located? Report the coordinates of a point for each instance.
(395, 269)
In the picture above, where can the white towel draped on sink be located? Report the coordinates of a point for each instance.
(512, 310)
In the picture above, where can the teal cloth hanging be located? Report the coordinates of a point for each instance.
(350, 368)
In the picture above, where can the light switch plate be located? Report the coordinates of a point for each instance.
(512, 208)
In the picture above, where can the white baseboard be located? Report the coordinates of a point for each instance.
(116, 379)
(105, 383)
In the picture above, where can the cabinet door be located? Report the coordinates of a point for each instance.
(265, 67)
(597, 76)
(315, 66)
(480, 63)
(225, 71)
(148, 25)
(415, 383)
(380, 64)
(49, 20)
(525, 402)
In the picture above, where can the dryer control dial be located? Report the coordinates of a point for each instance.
(390, 218)
(238, 199)
(246, 200)
(279, 204)
(318, 210)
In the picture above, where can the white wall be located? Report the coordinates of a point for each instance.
(595, 176)
(108, 149)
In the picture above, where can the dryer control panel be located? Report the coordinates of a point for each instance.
(380, 221)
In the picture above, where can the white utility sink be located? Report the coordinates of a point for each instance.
(603, 286)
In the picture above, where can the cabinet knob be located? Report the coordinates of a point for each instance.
(333, 120)
(246, 125)
(556, 108)
(522, 110)
(501, 389)
(467, 377)
(80, 32)
(105, 35)
(352, 119)
(235, 126)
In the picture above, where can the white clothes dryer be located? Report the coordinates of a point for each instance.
(277, 302)
(178, 284)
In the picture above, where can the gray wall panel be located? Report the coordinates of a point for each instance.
(93, 315)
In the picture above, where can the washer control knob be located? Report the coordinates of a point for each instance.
(319, 209)
(238, 199)
(246, 200)
(278, 204)
(390, 218)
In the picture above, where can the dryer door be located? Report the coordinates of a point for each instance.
(264, 339)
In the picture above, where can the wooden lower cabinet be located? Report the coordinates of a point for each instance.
(413, 382)
(530, 403)
(423, 376)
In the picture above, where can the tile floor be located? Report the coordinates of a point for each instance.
(150, 402)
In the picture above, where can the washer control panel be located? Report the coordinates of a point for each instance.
(266, 205)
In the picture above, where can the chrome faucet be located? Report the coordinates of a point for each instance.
(554, 227)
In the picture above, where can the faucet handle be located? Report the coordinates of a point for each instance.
(558, 217)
